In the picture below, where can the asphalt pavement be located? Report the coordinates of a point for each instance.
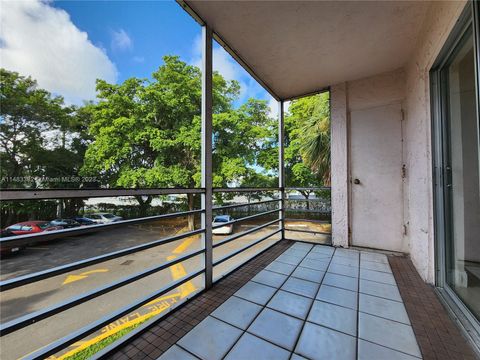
(40, 295)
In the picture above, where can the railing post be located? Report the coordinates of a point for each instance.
(281, 166)
(207, 168)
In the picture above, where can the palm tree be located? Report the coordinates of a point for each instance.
(315, 138)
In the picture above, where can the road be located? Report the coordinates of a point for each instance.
(37, 296)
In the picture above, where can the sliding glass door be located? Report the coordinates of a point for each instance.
(461, 171)
(456, 130)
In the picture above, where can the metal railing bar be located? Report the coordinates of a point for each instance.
(30, 278)
(36, 194)
(308, 231)
(126, 339)
(244, 218)
(229, 256)
(310, 200)
(243, 233)
(216, 208)
(309, 220)
(319, 188)
(218, 190)
(96, 325)
(29, 319)
(50, 235)
(225, 274)
(142, 328)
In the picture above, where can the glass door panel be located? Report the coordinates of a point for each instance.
(462, 185)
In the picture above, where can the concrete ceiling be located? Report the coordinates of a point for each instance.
(299, 47)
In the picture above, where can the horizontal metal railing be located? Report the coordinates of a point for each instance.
(236, 252)
(243, 233)
(308, 231)
(242, 190)
(55, 234)
(306, 211)
(223, 207)
(32, 318)
(39, 194)
(30, 278)
(318, 188)
(60, 344)
(245, 218)
(29, 319)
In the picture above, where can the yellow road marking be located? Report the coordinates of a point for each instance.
(166, 297)
(72, 278)
(183, 246)
(166, 302)
(114, 329)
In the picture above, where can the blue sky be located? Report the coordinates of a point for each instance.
(155, 29)
(66, 45)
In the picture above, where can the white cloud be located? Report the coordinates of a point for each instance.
(138, 59)
(41, 41)
(121, 41)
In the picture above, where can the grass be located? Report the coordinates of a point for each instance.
(92, 349)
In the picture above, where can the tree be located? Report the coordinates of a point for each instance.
(39, 138)
(146, 132)
(315, 145)
(307, 143)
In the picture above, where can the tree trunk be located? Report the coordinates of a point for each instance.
(191, 217)
(60, 207)
(144, 204)
(306, 195)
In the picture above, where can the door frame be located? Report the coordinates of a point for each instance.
(469, 19)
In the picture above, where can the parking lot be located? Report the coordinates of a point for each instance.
(39, 295)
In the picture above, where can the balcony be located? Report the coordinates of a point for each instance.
(371, 253)
(280, 305)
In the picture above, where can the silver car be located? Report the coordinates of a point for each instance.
(103, 218)
(223, 230)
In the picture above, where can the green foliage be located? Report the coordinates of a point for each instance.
(307, 142)
(146, 133)
(42, 145)
(39, 135)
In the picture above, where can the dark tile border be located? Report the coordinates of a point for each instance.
(437, 335)
(154, 342)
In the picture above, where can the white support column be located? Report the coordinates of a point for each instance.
(339, 165)
(207, 168)
(281, 166)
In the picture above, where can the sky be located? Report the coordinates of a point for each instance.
(67, 45)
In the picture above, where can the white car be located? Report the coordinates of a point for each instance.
(103, 218)
(223, 230)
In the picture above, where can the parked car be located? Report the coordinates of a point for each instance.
(8, 248)
(224, 230)
(83, 221)
(103, 218)
(65, 223)
(31, 227)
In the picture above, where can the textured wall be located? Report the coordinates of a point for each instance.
(440, 19)
(411, 87)
(339, 163)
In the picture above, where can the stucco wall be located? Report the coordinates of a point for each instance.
(410, 86)
(339, 161)
(367, 96)
(440, 19)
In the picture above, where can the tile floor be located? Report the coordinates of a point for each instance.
(312, 302)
